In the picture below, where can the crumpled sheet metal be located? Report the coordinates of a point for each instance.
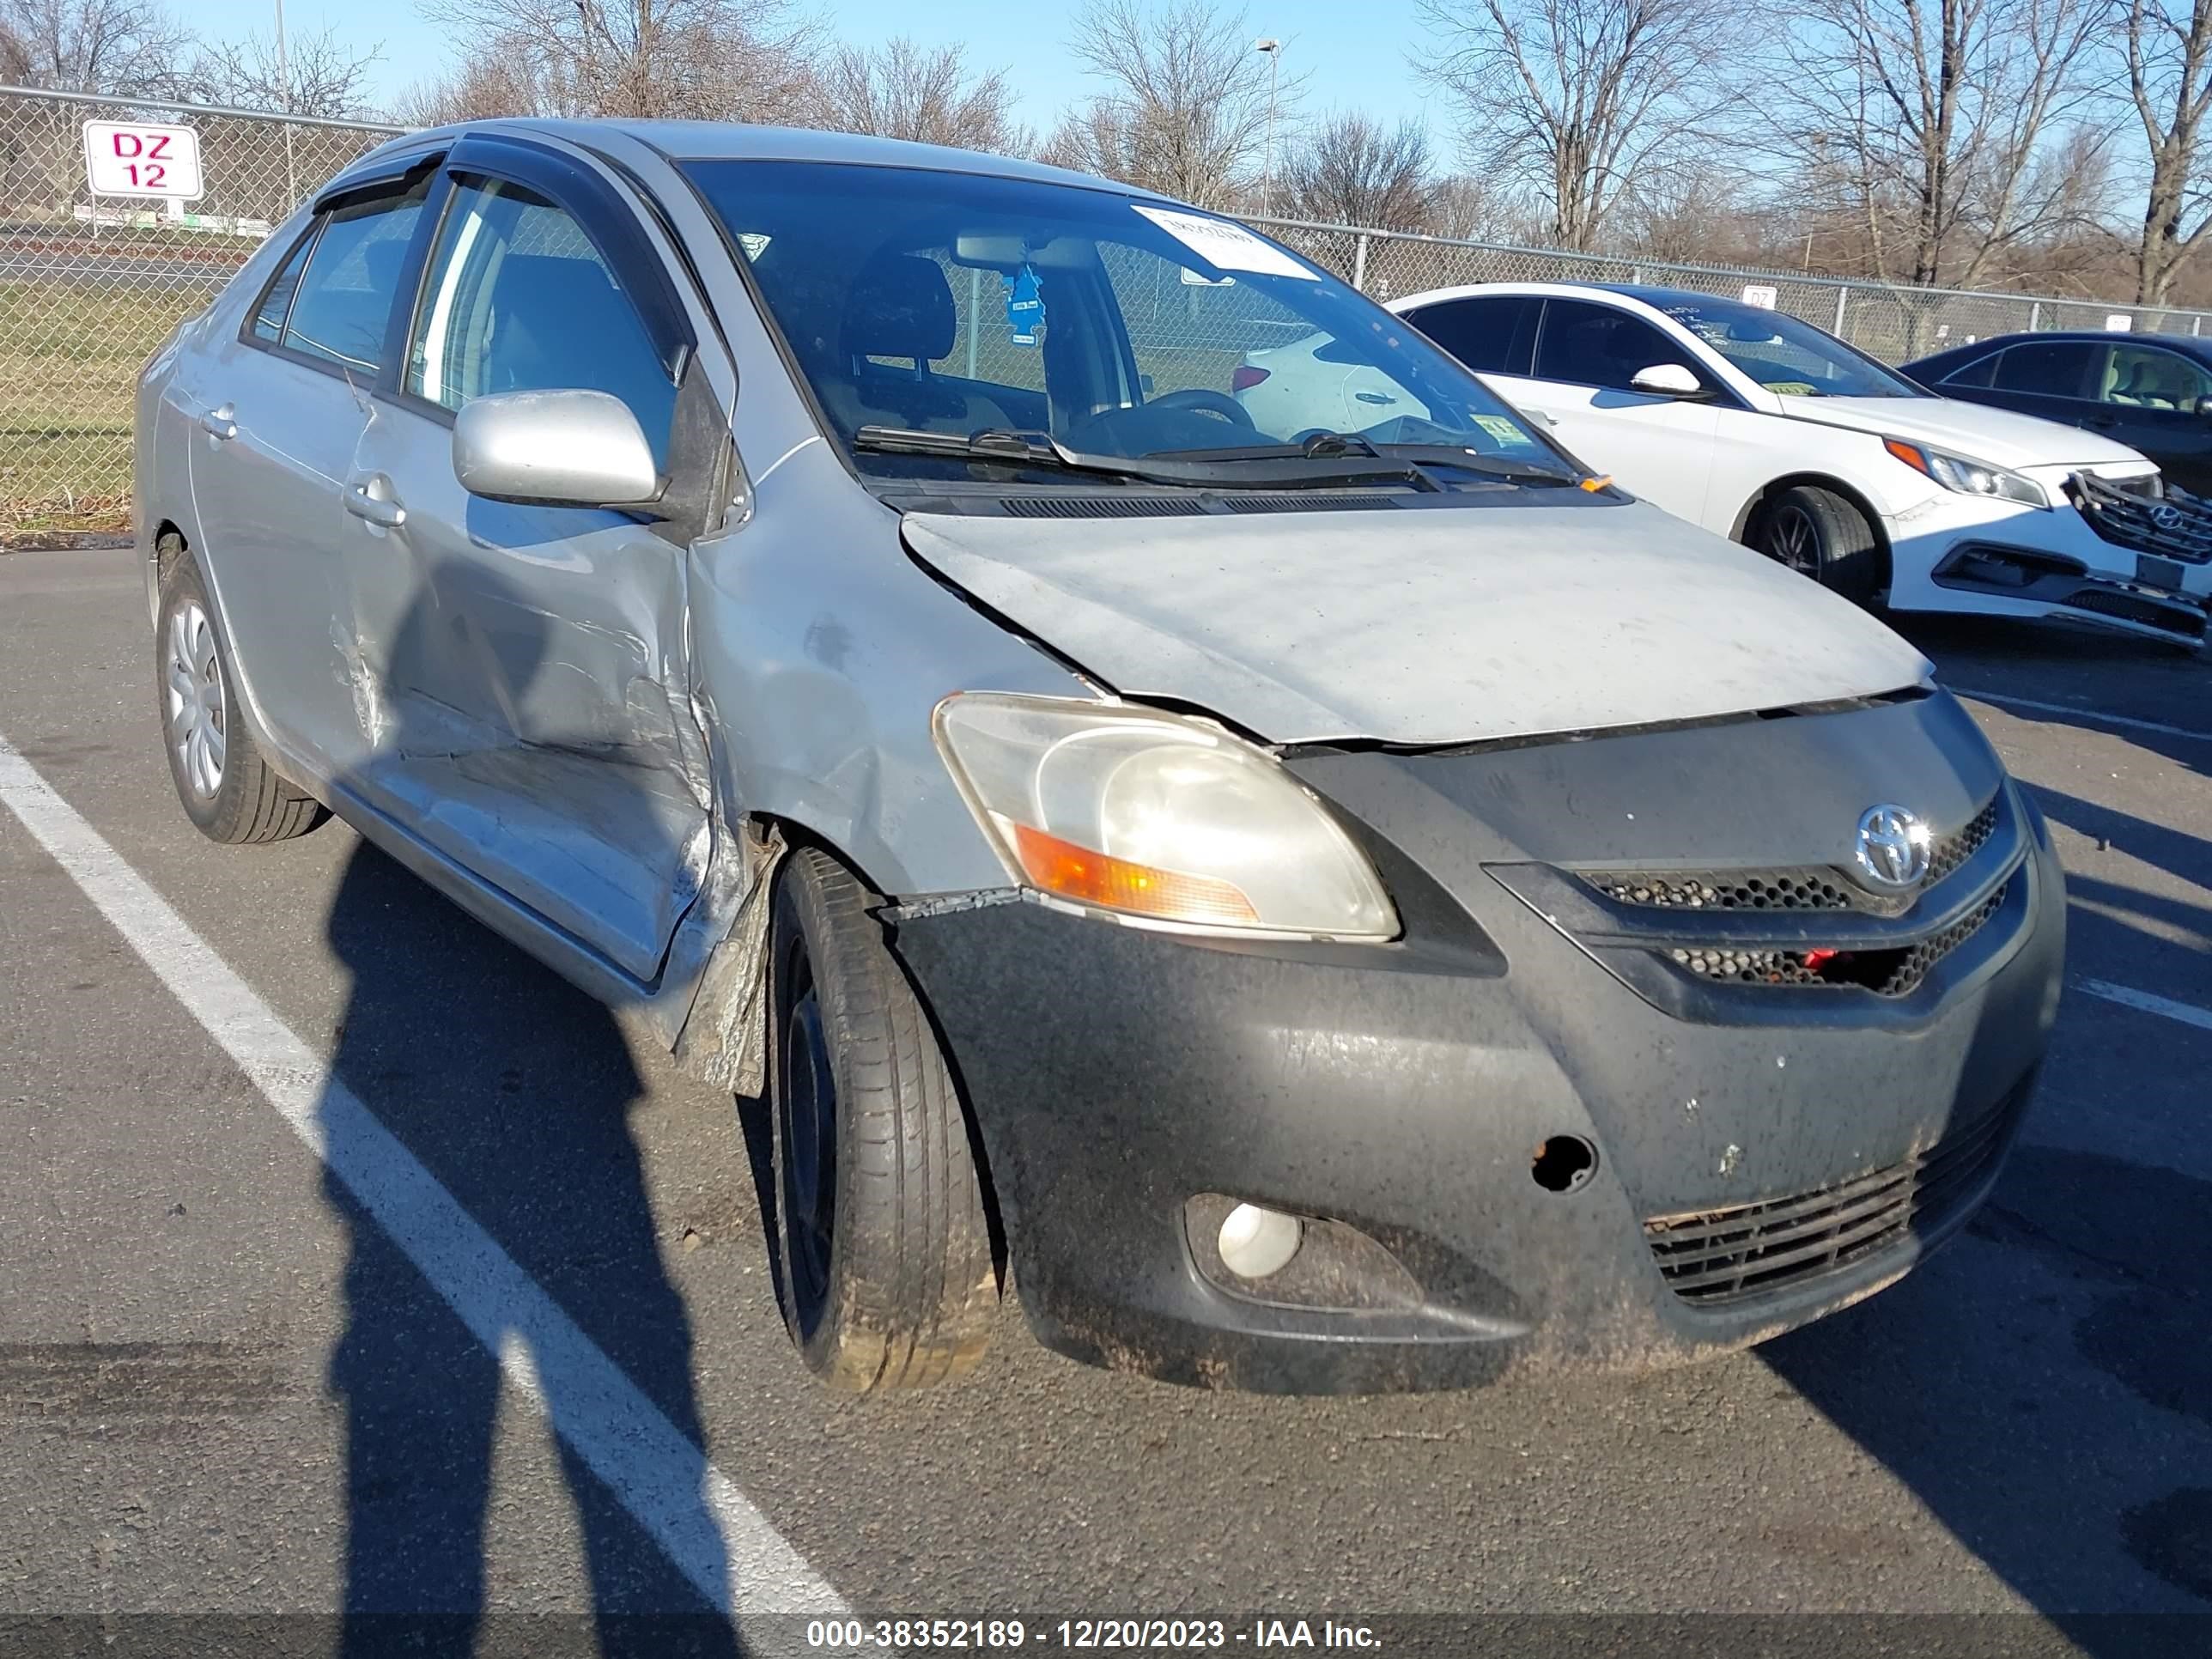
(721, 1043)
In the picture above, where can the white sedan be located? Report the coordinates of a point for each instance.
(1767, 429)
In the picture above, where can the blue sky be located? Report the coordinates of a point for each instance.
(1356, 57)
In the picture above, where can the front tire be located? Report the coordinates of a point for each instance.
(1820, 534)
(888, 1280)
(226, 789)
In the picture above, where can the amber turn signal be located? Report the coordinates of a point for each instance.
(1076, 872)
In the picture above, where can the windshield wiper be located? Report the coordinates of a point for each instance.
(1478, 461)
(1272, 467)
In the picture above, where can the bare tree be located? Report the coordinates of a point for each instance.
(900, 90)
(126, 46)
(1931, 118)
(743, 60)
(1186, 111)
(319, 75)
(480, 89)
(1354, 171)
(1592, 96)
(2169, 56)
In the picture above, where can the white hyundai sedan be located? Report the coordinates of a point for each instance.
(1760, 425)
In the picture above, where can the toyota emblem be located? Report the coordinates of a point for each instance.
(1894, 846)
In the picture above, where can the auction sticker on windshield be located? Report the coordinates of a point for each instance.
(1226, 246)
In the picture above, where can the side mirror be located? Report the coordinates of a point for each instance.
(568, 448)
(1668, 380)
(2204, 405)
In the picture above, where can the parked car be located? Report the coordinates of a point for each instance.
(1763, 428)
(2151, 392)
(1294, 889)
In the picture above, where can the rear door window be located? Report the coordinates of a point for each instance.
(1978, 373)
(344, 300)
(2048, 368)
(1492, 334)
(276, 298)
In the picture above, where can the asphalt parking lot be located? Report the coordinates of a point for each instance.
(347, 1258)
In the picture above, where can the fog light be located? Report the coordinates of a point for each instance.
(1255, 1242)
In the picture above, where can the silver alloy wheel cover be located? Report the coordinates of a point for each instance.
(198, 716)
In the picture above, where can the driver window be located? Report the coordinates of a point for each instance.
(518, 299)
(1587, 344)
(2146, 377)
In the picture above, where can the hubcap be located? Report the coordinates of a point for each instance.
(808, 1106)
(197, 720)
(1795, 539)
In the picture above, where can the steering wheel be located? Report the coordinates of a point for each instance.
(1202, 401)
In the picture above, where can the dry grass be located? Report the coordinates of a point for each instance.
(69, 355)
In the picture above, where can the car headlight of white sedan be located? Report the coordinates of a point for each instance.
(1968, 477)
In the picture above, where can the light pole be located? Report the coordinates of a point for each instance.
(1273, 49)
(285, 94)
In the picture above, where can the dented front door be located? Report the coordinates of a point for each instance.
(535, 716)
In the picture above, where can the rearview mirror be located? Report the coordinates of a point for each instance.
(1668, 380)
(568, 448)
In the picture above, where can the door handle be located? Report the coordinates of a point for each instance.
(220, 422)
(1375, 397)
(363, 503)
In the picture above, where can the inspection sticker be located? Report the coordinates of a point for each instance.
(1227, 246)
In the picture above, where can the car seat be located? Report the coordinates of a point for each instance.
(901, 306)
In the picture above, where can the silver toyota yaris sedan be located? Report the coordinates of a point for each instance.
(1322, 909)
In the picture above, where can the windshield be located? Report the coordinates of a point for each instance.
(1786, 356)
(952, 304)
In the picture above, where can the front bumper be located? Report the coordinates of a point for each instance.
(1961, 553)
(1127, 1082)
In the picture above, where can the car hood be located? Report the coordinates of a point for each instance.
(1976, 432)
(1422, 626)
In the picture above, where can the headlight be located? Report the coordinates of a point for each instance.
(1967, 477)
(1153, 817)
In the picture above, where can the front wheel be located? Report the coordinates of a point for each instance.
(888, 1278)
(1817, 534)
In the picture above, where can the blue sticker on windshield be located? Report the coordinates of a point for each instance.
(1024, 310)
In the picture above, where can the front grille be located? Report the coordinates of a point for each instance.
(2128, 518)
(1894, 972)
(1953, 850)
(1713, 1256)
(1784, 889)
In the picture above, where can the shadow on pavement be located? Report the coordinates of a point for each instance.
(511, 1091)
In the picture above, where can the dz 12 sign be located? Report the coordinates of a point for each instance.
(135, 158)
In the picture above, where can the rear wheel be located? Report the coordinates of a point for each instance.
(226, 788)
(887, 1274)
(1817, 534)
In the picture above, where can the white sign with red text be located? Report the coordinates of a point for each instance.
(136, 158)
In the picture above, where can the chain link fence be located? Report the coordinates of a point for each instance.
(89, 286)
(1891, 321)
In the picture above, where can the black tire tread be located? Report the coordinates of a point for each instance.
(913, 1289)
(254, 805)
(1851, 552)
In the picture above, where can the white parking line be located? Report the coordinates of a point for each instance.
(2128, 721)
(2147, 1002)
(650, 1466)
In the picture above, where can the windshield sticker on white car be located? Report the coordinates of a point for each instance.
(1226, 246)
(1501, 428)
